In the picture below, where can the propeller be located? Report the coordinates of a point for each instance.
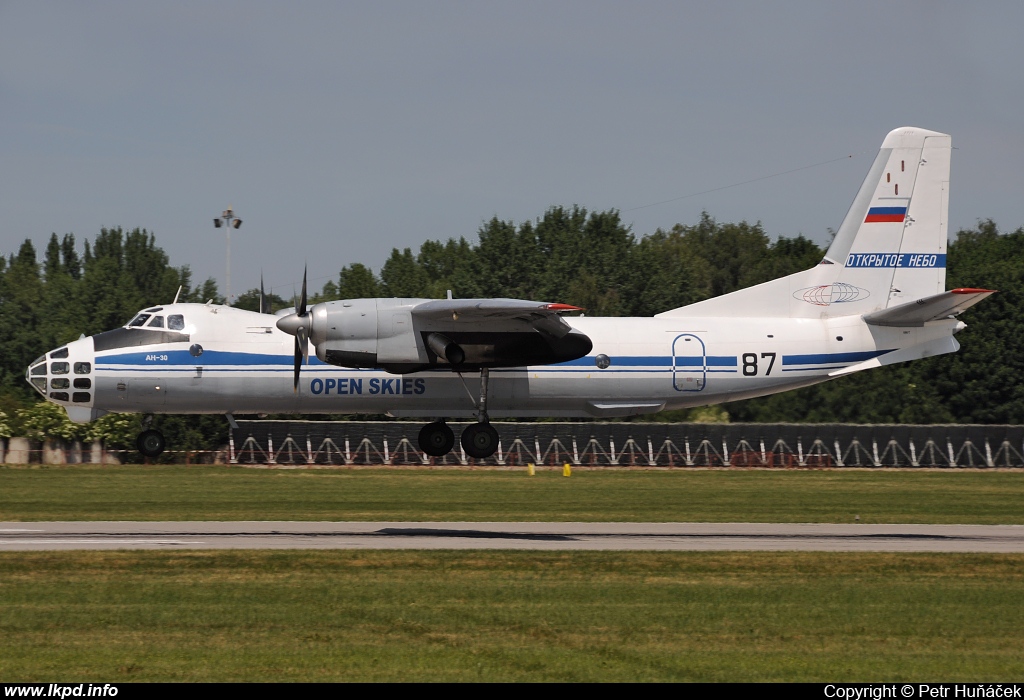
(297, 324)
(264, 302)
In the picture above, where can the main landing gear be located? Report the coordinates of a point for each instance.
(437, 439)
(479, 440)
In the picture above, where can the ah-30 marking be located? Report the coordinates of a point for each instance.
(877, 298)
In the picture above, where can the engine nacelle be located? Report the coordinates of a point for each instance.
(366, 333)
(386, 334)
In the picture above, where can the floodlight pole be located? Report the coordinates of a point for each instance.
(228, 220)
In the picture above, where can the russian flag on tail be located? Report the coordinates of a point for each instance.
(878, 215)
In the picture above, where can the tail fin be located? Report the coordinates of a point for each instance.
(890, 248)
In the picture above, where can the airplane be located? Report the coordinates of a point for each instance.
(877, 298)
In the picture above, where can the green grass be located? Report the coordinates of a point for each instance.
(222, 493)
(535, 616)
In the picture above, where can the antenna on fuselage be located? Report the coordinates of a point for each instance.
(178, 294)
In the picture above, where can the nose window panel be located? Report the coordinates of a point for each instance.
(176, 322)
(59, 395)
(80, 397)
(83, 367)
(39, 370)
(60, 383)
(40, 384)
(59, 354)
(59, 368)
(82, 383)
(157, 322)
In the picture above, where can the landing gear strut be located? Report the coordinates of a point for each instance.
(480, 440)
(150, 443)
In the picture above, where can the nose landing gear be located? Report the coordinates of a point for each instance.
(150, 443)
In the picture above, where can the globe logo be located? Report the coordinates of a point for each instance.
(828, 294)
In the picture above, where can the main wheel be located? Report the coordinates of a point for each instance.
(436, 439)
(150, 443)
(480, 440)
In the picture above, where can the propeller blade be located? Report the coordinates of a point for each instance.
(301, 310)
(298, 325)
(264, 306)
(301, 353)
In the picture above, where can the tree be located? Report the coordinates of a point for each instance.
(402, 276)
(21, 301)
(356, 281)
(250, 301)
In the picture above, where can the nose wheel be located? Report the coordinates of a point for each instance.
(436, 439)
(150, 443)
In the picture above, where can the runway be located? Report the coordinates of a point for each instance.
(41, 536)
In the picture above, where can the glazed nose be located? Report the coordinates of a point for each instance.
(36, 375)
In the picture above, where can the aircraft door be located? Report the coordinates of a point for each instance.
(689, 363)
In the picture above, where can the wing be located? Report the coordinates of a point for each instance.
(476, 333)
(497, 314)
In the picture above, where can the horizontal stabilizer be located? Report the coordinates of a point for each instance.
(932, 308)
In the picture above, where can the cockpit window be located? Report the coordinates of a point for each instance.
(139, 320)
(59, 354)
(157, 322)
(176, 322)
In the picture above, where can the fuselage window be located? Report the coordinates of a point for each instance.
(83, 383)
(83, 367)
(139, 320)
(157, 322)
(59, 383)
(176, 322)
(59, 368)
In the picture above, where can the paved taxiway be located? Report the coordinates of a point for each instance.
(27, 536)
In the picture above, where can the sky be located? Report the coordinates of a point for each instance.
(338, 131)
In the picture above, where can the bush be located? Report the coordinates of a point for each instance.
(48, 421)
(114, 430)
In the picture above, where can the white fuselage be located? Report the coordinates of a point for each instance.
(246, 366)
